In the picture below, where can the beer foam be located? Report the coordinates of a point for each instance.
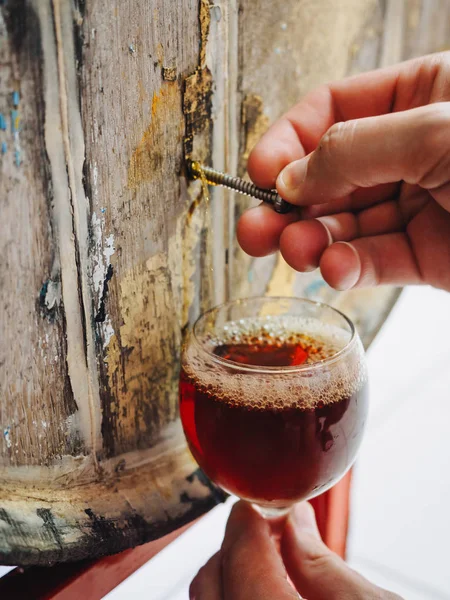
(262, 388)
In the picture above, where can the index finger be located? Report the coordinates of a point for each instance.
(251, 565)
(299, 131)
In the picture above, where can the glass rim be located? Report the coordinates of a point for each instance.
(278, 369)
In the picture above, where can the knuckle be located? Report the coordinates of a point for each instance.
(436, 125)
(231, 557)
(319, 558)
(433, 161)
(322, 562)
(336, 147)
(239, 553)
(333, 138)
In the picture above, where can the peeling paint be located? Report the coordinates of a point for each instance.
(102, 274)
(314, 290)
(101, 316)
(169, 73)
(52, 294)
(7, 436)
(204, 19)
(151, 346)
(197, 111)
(254, 123)
(160, 53)
(15, 131)
(108, 332)
(101, 253)
(197, 97)
(146, 160)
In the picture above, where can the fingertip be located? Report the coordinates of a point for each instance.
(291, 181)
(258, 230)
(242, 517)
(274, 151)
(300, 523)
(303, 243)
(301, 541)
(246, 515)
(242, 509)
(251, 564)
(303, 517)
(340, 266)
(262, 166)
(243, 512)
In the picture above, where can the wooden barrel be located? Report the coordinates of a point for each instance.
(108, 252)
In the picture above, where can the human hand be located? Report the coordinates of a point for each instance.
(249, 566)
(368, 161)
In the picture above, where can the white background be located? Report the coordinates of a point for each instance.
(400, 521)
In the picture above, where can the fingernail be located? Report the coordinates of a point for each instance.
(292, 177)
(353, 273)
(328, 232)
(304, 519)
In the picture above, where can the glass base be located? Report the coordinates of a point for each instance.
(276, 518)
(271, 512)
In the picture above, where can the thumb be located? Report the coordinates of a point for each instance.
(410, 145)
(316, 572)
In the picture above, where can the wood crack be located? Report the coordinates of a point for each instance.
(65, 149)
(73, 137)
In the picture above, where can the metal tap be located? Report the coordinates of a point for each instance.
(237, 184)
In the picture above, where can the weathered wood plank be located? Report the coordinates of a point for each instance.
(33, 348)
(103, 129)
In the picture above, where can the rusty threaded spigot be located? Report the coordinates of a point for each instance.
(240, 185)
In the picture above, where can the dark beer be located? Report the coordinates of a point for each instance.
(273, 436)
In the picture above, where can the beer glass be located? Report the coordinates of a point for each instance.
(273, 398)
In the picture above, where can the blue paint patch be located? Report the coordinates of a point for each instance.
(314, 287)
(17, 158)
(2, 122)
(16, 99)
(4, 147)
(103, 210)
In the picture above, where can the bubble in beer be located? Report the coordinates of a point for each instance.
(319, 342)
